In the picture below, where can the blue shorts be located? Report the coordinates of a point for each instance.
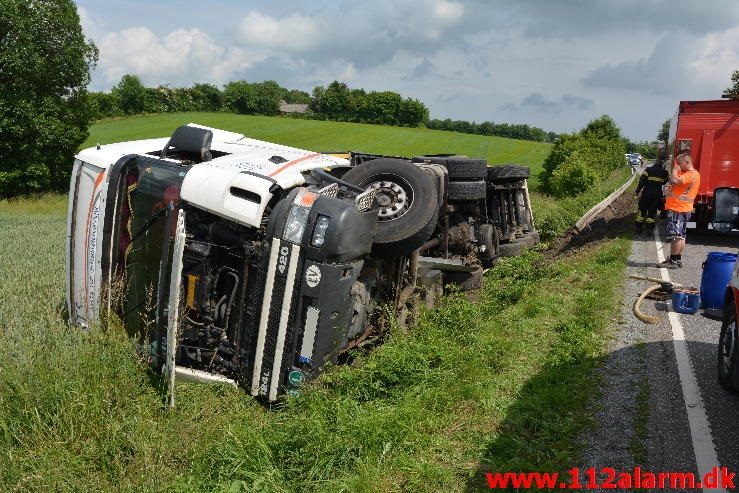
(677, 223)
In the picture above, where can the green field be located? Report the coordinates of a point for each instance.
(499, 384)
(329, 136)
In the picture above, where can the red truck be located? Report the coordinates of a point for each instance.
(709, 132)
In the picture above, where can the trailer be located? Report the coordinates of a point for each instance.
(709, 132)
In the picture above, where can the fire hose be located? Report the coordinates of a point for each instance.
(666, 287)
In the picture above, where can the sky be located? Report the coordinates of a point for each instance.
(554, 64)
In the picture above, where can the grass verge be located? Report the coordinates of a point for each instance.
(554, 216)
(495, 385)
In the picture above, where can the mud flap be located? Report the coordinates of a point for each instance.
(173, 319)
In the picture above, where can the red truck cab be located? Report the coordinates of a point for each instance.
(709, 132)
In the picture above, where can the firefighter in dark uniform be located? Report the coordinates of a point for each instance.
(650, 188)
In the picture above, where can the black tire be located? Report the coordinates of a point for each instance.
(467, 190)
(408, 229)
(728, 376)
(465, 281)
(508, 172)
(488, 237)
(511, 249)
(458, 167)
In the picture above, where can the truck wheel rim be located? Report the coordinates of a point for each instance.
(393, 196)
(729, 346)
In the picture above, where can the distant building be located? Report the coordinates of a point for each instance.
(292, 108)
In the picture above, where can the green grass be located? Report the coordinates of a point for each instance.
(474, 387)
(329, 136)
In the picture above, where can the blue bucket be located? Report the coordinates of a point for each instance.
(685, 301)
(717, 270)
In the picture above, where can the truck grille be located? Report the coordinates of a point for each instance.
(275, 317)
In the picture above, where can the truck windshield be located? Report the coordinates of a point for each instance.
(150, 191)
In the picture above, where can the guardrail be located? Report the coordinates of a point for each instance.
(595, 211)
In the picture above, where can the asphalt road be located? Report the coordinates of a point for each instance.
(701, 332)
(641, 415)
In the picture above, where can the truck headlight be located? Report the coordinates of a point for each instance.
(298, 216)
(319, 232)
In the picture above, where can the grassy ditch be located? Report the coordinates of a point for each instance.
(554, 216)
(495, 385)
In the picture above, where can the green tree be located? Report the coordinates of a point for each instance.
(733, 90)
(334, 102)
(103, 104)
(664, 132)
(261, 98)
(45, 65)
(132, 94)
(602, 128)
(206, 97)
(266, 97)
(413, 113)
(239, 97)
(295, 96)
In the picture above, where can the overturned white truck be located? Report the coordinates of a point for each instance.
(256, 264)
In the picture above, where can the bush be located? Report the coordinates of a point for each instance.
(578, 162)
(131, 93)
(573, 177)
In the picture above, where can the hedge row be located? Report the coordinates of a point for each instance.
(578, 162)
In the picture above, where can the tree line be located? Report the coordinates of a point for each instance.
(510, 130)
(335, 102)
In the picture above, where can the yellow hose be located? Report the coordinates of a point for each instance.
(637, 306)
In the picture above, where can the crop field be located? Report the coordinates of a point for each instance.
(329, 136)
(492, 385)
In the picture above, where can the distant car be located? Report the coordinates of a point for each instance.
(728, 373)
(635, 159)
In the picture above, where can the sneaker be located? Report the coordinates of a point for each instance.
(670, 264)
(679, 263)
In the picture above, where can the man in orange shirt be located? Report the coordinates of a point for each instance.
(681, 192)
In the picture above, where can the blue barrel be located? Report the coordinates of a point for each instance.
(717, 270)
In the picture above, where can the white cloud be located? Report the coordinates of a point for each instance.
(182, 56)
(447, 11)
(91, 27)
(680, 65)
(550, 64)
(715, 57)
(295, 32)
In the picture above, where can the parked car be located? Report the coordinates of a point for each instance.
(256, 264)
(728, 371)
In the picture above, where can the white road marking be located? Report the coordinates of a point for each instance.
(700, 431)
